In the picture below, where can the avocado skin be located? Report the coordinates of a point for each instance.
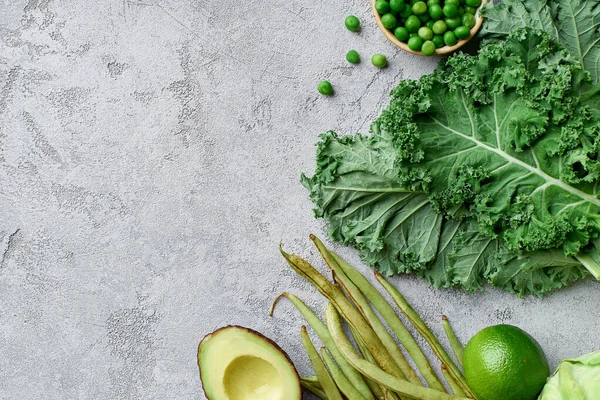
(259, 336)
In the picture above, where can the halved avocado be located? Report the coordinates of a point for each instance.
(237, 363)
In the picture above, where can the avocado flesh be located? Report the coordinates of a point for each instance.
(238, 363)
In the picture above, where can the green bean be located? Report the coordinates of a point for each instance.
(321, 330)
(457, 348)
(363, 306)
(312, 379)
(327, 383)
(391, 318)
(389, 395)
(375, 388)
(427, 334)
(348, 311)
(403, 388)
(311, 387)
(339, 378)
(453, 385)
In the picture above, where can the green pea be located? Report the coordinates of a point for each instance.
(352, 23)
(413, 23)
(455, 2)
(468, 20)
(438, 40)
(415, 43)
(425, 33)
(453, 23)
(435, 11)
(405, 12)
(470, 10)
(396, 5)
(325, 88)
(353, 57)
(412, 2)
(389, 20)
(432, 2)
(419, 8)
(382, 7)
(379, 60)
(473, 3)
(461, 11)
(430, 24)
(462, 32)
(450, 10)
(450, 38)
(401, 33)
(439, 27)
(424, 18)
(413, 34)
(428, 48)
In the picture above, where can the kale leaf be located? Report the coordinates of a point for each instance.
(574, 23)
(506, 135)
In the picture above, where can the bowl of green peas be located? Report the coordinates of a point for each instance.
(428, 27)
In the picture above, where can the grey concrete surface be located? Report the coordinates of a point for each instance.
(150, 152)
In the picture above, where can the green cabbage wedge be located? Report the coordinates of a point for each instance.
(577, 378)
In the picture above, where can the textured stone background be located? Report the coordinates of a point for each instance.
(149, 160)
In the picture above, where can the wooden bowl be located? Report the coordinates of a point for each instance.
(438, 52)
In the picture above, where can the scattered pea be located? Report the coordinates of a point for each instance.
(352, 23)
(325, 88)
(473, 3)
(428, 48)
(379, 60)
(430, 24)
(353, 57)
(470, 10)
(455, 2)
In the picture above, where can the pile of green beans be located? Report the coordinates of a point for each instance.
(427, 26)
(377, 368)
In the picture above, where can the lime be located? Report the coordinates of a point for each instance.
(503, 362)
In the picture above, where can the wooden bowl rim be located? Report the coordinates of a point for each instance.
(438, 52)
